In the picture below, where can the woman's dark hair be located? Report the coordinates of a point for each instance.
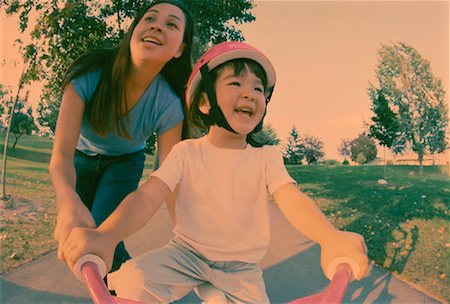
(107, 111)
(197, 124)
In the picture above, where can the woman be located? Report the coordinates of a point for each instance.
(113, 100)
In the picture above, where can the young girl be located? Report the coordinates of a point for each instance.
(113, 101)
(222, 230)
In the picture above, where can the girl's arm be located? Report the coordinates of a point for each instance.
(306, 217)
(166, 141)
(132, 214)
(71, 210)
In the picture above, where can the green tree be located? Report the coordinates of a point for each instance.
(4, 98)
(415, 96)
(22, 121)
(360, 158)
(65, 29)
(363, 149)
(384, 125)
(312, 149)
(25, 79)
(293, 153)
(345, 149)
(268, 135)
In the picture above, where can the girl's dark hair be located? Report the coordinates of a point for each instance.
(197, 125)
(107, 110)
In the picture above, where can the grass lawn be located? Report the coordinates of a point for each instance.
(405, 223)
(28, 218)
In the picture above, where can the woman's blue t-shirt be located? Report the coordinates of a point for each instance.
(158, 110)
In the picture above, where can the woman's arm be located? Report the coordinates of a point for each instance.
(306, 217)
(132, 214)
(166, 141)
(71, 210)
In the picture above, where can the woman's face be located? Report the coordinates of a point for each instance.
(158, 37)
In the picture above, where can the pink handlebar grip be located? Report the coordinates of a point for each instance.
(91, 270)
(333, 267)
(89, 258)
(95, 285)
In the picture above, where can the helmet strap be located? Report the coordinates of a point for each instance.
(260, 125)
(215, 116)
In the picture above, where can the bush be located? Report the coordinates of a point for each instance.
(361, 159)
(330, 162)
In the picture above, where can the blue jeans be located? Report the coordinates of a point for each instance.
(103, 182)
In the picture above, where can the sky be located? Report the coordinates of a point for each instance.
(325, 54)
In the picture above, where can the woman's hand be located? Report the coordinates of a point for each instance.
(345, 244)
(73, 214)
(71, 210)
(82, 241)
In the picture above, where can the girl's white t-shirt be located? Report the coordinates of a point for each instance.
(222, 202)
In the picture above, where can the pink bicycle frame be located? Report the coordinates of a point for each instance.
(335, 292)
(91, 273)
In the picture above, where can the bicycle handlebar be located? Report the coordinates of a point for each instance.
(333, 267)
(91, 270)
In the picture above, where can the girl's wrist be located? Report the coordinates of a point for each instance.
(327, 236)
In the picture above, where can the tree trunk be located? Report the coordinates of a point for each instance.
(385, 173)
(5, 147)
(420, 155)
(8, 131)
(16, 139)
(26, 67)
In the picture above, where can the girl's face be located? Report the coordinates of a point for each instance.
(158, 37)
(241, 98)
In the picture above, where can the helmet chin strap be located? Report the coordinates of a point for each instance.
(215, 116)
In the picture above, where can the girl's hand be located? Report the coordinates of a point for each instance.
(82, 241)
(74, 214)
(345, 244)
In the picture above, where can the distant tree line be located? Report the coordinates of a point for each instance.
(299, 148)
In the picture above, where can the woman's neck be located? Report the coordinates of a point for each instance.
(223, 138)
(138, 80)
(139, 77)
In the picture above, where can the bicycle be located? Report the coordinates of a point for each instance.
(91, 269)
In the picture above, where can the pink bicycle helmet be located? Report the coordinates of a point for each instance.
(227, 51)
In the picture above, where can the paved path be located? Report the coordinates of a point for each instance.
(291, 270)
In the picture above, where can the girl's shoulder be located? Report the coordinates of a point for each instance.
(268, 154)
(189, 143)
(267, 149)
